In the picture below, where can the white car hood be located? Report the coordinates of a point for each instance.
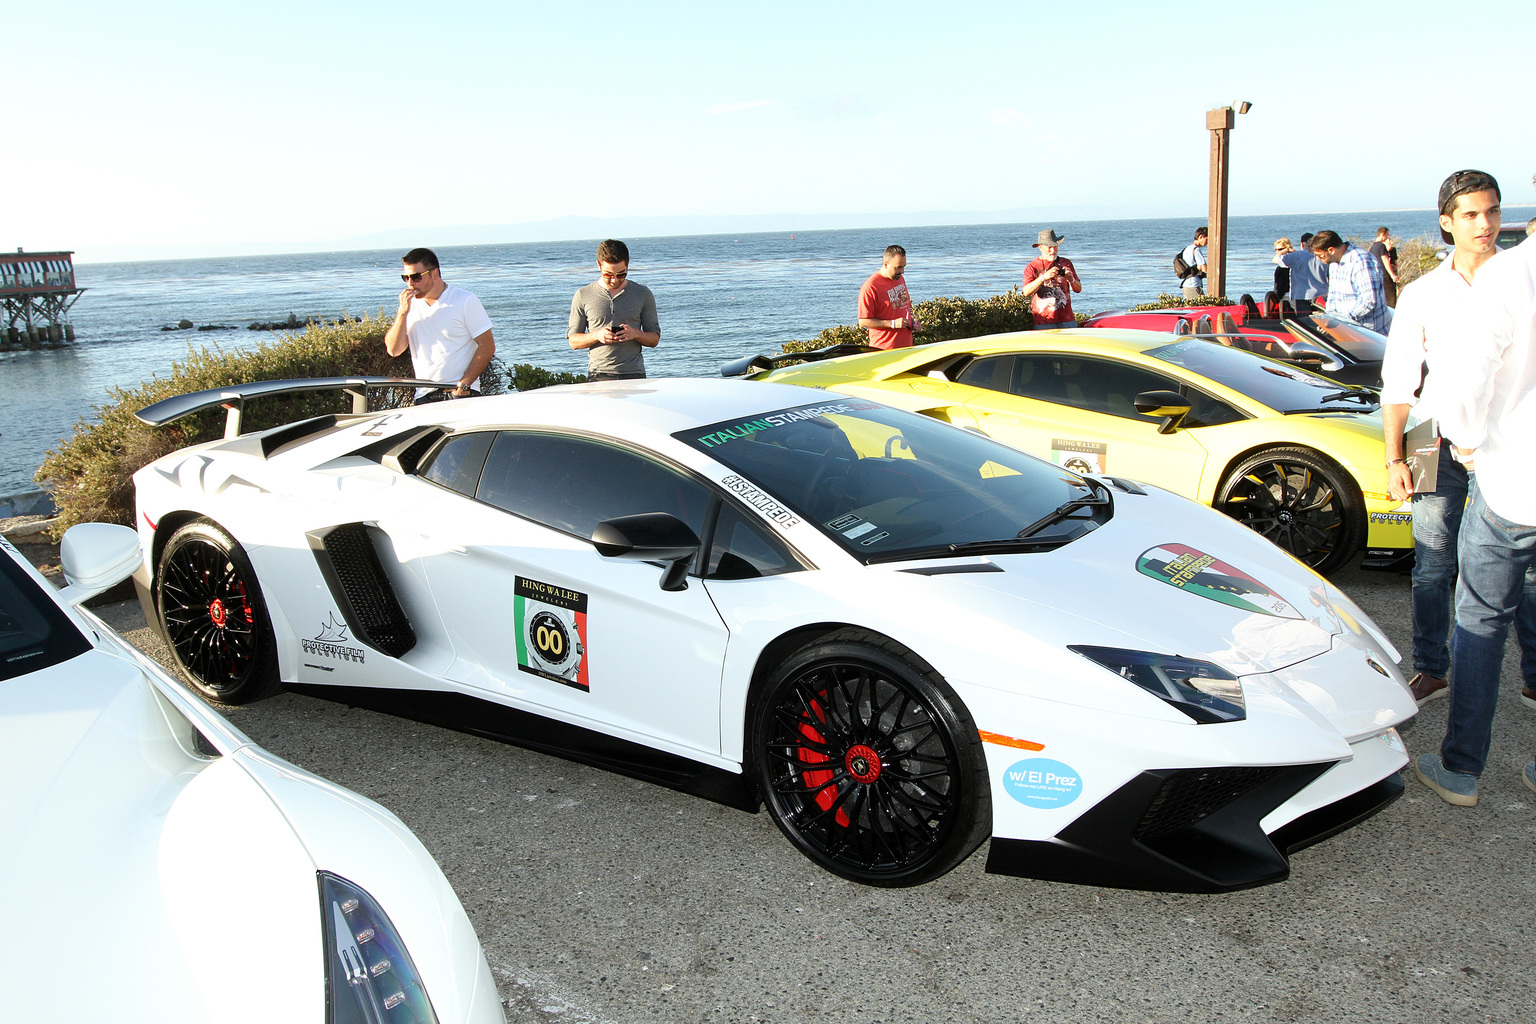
(1186, 581)
(137, 879)
(1172, 591)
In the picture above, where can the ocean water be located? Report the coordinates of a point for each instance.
(718, 297)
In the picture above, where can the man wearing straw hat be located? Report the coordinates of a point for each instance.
(1049, 282)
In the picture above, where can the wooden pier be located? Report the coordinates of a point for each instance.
(36, 291)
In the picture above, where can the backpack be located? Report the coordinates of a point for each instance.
(1180, 267)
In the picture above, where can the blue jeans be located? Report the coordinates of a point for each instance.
(1496, 555)
(1436, 525)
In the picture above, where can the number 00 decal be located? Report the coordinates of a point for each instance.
(551, 624)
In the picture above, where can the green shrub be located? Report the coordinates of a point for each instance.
(947, 319)
(1168, 301)
(840, 335)
(1416, 257)
(942, 320)
(527, 377)
(91, 472)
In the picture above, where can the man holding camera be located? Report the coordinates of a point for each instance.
(444, 327)
(1049, 282)
(613, 318)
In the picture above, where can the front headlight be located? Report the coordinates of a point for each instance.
(1205, 692)
(369, 976)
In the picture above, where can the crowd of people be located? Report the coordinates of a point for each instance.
(1461, 357)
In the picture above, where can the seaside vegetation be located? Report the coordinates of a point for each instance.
(1417, 257)
(91, 472)
(954, 317)
(942, 320)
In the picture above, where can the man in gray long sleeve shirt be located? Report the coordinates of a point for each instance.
(613, 318)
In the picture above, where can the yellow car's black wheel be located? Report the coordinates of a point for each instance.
(1299, 499)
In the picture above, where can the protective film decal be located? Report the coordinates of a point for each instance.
(1203, 575)
(551, 625)
(331, 641)
(1080, 456)
(1042, 782)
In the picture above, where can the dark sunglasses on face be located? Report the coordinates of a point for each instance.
(414, 277)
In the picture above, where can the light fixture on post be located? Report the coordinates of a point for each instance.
(1219, 121)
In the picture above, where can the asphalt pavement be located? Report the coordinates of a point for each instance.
(602, 899)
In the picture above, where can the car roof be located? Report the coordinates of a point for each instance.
(1078, 341)
(662, 404)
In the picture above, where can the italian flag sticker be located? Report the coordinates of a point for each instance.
(1203, 575)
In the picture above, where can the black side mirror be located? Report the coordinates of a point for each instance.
(1170, 405)
(650, 537)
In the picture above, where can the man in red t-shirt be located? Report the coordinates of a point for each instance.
(884, 305)
(1049, 281)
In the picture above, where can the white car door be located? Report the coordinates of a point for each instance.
(538, 619)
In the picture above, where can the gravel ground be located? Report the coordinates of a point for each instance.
(603, 899)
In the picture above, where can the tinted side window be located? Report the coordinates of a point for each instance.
(457, 462)
(742, 550)
(1094, 385)
(1205, 411)
(34, 632)
(994, 374)
(571, 484)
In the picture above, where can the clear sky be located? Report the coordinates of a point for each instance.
(199, 128)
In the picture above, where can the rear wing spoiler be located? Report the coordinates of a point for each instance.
(751, 365)
(232, 398)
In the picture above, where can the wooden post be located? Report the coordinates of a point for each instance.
(1219, 121)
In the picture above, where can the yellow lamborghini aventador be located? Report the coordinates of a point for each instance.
(1294, 455)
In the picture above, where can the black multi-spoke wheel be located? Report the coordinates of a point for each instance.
(213, 616)
(1303, 502)
(869, 762)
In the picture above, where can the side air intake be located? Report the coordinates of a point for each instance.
(350, 564)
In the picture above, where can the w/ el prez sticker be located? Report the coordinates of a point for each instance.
(1207, 576)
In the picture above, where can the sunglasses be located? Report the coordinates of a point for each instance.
(414, 277)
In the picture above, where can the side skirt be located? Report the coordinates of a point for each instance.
(466, 714)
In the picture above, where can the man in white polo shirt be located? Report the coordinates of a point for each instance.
(1424, 341)
(1487, 408)
(444, 326)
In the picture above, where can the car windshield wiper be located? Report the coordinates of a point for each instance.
(1098, 495)
(1000, 546)
(1066, 508)
(1365, 395)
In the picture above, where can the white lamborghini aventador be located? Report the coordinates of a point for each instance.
(904, 638)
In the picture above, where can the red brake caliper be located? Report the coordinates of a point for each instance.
(819, 780)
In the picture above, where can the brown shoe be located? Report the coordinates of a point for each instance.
(1528, 696)
(1426, 688)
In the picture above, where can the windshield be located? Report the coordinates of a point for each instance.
(886, 484)
(34, 632)
(1282, 387)
(1361, 343)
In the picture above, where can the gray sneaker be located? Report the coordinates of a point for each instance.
(1529, 775)
(1457, 788)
